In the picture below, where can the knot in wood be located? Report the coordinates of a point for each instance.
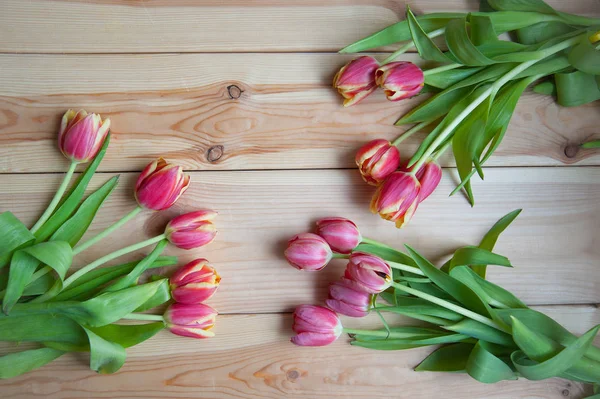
(234, 92)
(565, 392)
(292, 375)
(571, 151)
(215, 153)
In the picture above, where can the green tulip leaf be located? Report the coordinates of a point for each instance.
(476, 255)
(459, 291)
(400, 32)
(489, 292)
(445, 79)
(75, 227)
(88, 285)
(542, 31)
(576, 88)
(585, 57)
(13, 235)
(128, 335)
(370, 342)
(461, 46)
(481, 331)
(421, 306)
(72, 198)
(40, 328)
(425, 46)
(486, 367)
(555, 365)
(387, 253)
(58, 255)
(162, 295)
(15, 364)
(449, 358)
(591, 144)
(41, 285)
(105, 357)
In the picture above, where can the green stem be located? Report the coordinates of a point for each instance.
(59, 193)
(410, 45)
(448, 305)
(406, 268)
(82, 247)
(410, 132)
(492, 89)
(143, 316)
(497, 304)
(376, 243)
(111, 256)
(442, 68)
(340, 256)
(373, 333)
(441, 151)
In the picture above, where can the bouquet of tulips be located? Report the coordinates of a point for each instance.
(83, 311)
(483, 329)
(475, 89)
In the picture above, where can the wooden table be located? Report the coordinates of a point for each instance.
(239, 93)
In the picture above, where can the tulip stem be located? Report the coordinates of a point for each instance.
(109, 257)
(373, 333)
(406, 268)
(59, 193)
(442, 68)
(410, 45)
(143, 316)
(441, 151)
(450, 306)
(410, 132)
(340, 256)
(82, 247)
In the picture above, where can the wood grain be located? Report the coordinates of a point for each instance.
(553, 245)
(251, 357)
(238, 111)
(110, 26)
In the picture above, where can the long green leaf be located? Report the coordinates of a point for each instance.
(56, 254)
(75, 227)
(476, 255)
(15, 364)
(486, 367)
(542, 31)
(425, 46)
(400, 32)
(128, 335)
(40, 328)
(576, 88)
(449, 358)
(389, 254)
(72, 198)
(489, 292)
(461, 47)
(481, 331)
(448, 78)
(13, 235)
(418, 305)
(105, 357)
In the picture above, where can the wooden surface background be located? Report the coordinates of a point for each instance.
(238, 92)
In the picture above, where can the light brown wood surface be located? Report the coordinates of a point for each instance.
(239, 93)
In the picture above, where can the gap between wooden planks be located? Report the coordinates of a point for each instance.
(111, 26)
(239, 111)
(251, 357)
(553, 245)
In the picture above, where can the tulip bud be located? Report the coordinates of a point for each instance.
(194, 283)
(308, 252)
(315, 326)
(370, 272)
(400, 80)
(349, 298)
(429, 176)
(160, 184)
(397, 198)
(341, 234)
(356, 80)
(193, 321)
(376, 160)
(81, 135)
(192, 230)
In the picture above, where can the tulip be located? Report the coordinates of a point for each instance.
(341, 234)
(400, 80)
(429, 176)
(160, 184)
(376, 160)
(194, 283)
(349, 298)
(315, 326)
(193, 321)
(308, 251)
(356, 80)
(370, 272)
(81, 135)
(192, 230)
(397, 198)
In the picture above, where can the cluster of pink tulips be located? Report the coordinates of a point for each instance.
(365, 275)
(158, 187)
(400, 189)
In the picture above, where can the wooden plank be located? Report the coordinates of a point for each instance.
(179, 106)
(109, 26)
(251, 357)
(553, 244)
